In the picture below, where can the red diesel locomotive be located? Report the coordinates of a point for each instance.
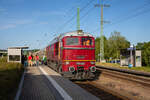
(73, 55)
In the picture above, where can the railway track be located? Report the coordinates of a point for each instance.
(116, 84)
(137, 73)
(135, 77)
(100, 91)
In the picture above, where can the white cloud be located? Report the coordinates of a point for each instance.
(20, 22)
(14, 24)
(7, 26)
(50, 13)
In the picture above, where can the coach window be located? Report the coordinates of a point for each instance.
(86, 41)
(72, 41)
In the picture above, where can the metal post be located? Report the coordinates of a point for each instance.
(135, 56)
(78, 18)
(131, 56)
(101, 54)
(101, 36)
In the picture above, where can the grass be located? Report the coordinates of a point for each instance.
(143, 68)
(10, 74)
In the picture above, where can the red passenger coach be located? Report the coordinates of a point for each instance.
(73, 55)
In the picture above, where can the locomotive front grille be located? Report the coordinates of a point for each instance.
(80, 68)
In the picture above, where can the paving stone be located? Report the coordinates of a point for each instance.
(76, 92)
(37, 87)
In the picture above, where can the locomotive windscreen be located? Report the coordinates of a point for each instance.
(72, 41)
(86, 41)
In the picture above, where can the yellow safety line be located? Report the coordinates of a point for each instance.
(79, 60)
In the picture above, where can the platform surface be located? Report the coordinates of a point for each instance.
(42, 83)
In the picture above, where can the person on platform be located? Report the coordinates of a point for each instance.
(34, 60)
(37, 60)
(22, 59)
(30, 60)
(25, 61)
(43, 60)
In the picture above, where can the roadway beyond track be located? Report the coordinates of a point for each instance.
(42, 83)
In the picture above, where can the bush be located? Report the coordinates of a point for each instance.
(10, 74)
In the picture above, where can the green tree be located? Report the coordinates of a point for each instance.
(145, 48)
(139, 46)
(116, 42)
(97, 46)
(112, 46)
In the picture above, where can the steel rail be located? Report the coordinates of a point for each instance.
(137, 73)
(125, 75)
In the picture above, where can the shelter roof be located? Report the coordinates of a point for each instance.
(23, 47)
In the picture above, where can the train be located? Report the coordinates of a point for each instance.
(72, 54)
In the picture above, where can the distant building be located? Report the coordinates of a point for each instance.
(3, 52)
(128, 56)
(15, 54)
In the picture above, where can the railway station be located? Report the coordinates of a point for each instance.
(3, 52)
(49, 52)
(131, 56)
(15, 54)
(67, 76)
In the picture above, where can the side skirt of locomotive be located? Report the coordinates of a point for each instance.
(54, 65)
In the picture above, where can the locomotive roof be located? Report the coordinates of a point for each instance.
(73, 33)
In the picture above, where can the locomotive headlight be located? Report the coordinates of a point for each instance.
(93, 69)
(92, 62)
(71, 69)
(67, 62)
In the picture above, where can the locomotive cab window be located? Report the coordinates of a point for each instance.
(72, 41)
(86, 41)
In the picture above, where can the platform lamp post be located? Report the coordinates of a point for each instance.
(131, 55)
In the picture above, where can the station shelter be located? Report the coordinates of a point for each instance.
(15, 54)
(3, 52)
(130, 56)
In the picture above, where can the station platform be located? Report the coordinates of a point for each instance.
(42, 83)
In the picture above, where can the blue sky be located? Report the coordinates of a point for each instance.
(34, 23)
